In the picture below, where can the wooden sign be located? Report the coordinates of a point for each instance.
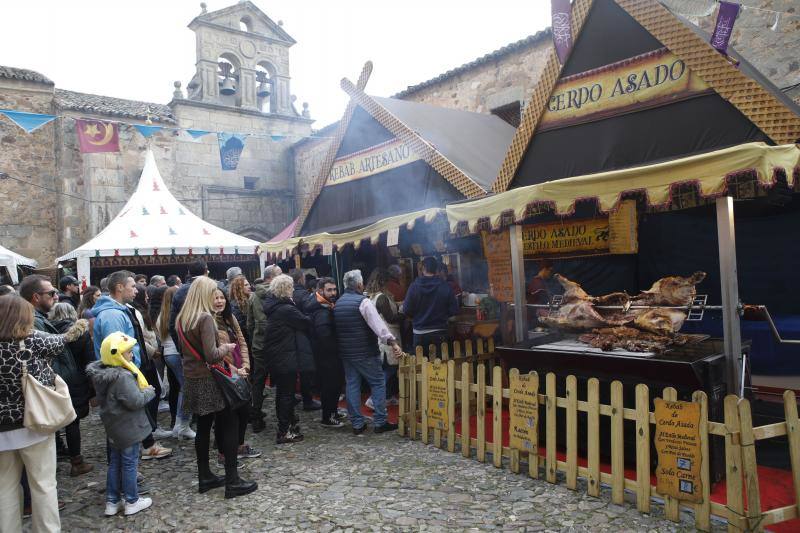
(385, 156)
(437, 395)
(497, 251)
(648, 80)
(613, 234)
(523, 407)
(677, 442)
(327, 248)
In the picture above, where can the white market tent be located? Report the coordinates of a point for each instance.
(154, 228)
(12, 260)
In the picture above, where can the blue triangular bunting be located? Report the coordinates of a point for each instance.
(27, 121)
(146, 130)
(196, 134)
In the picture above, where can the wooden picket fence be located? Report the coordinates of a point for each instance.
(468, 394)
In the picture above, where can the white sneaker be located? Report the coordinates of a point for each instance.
(183, 431)
(139, 505)
(163, 407)
(156, 451)
(113, 508)
(369, 405)
(162, 433)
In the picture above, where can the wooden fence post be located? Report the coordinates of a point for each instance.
(793, 434)
(642, 448)
(445, 351)
(456, 351)
(702, 511)
(572, 432)
(497, 416)
(750, 467)
(550, 428)
(533, 454)
(617, 444)
(733, 464)
(481, 410)
(424, 401)
(466, 383)
(593, 436)
(451, 406)
(401, 383)
(670, 504)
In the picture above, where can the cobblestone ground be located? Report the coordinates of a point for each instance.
(335, 481)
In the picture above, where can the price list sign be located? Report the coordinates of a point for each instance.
(524, 412)
(437, 395)
(679, 452)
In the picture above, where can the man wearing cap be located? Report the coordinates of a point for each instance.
(69, 291)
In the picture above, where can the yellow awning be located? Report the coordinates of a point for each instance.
(371, 232)
(709, 171)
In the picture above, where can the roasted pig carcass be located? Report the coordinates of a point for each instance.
(574, 292)
(579, 315)
(661, 321)
(672, 290)
(630, 339)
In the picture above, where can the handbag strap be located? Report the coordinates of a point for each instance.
(192, 349)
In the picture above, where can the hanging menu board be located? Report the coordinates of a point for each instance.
(437, 395)
(497, 251)
(679, 453)
(523, 409)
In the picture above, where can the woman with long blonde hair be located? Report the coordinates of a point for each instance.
(200, 346)
(172, 358)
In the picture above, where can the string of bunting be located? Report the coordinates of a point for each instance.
(98, 136)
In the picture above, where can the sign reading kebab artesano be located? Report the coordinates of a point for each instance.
(648, 80)
(385, 156)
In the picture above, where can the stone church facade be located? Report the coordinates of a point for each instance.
(67, 197)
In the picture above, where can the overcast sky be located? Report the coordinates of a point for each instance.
(135, 49)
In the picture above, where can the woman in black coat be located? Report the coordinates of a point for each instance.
(288, 351)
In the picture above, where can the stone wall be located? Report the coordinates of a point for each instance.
(28, 213)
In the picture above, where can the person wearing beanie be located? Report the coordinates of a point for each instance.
(122, 394)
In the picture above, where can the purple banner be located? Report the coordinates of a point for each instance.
(562, 28)
(726, 18)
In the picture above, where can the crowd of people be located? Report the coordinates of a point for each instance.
(133, 346)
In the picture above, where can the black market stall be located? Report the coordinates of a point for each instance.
(644, 115)
(155, 234)
(380, 195)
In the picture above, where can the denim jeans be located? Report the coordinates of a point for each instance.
(370, 369)
(175, 363)
(121, 476)
(426, 339)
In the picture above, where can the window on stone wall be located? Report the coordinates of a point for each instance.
(250, 183)
(246, 24)
(511, 113)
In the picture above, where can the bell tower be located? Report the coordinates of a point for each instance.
(242, 60)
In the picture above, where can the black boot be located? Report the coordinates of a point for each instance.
(236, 486)
(207, 480)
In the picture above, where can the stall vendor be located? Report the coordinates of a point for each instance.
(537, 292)
(395, 284)
(450, 279)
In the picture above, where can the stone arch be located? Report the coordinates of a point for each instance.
(254, 232)
(268, 104)
(246, 24)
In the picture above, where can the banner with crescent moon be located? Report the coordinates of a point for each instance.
(96, 136)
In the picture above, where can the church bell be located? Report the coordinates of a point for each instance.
(263, 89)
(228, 87)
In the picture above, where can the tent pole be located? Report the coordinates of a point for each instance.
(730, 293)
(518, 275)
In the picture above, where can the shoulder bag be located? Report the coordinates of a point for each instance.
(46, 410)
(235, 389)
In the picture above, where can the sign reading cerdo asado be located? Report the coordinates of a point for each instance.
(648, 80)
(380, 158)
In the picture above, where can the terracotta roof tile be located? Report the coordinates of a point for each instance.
(24, 75)
(118, 107)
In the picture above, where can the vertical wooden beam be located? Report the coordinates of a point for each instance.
(550, 428)
(617, 444)
(466, 382)
(733, 464)
(702, 512)
(642, 448)
(533, 454)
(593, 436)
(424, 402)
(451, 406)
(481, 410)
(793, 435)
(402, 408)
(750, 467)
(497, 417)
(572, 432)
